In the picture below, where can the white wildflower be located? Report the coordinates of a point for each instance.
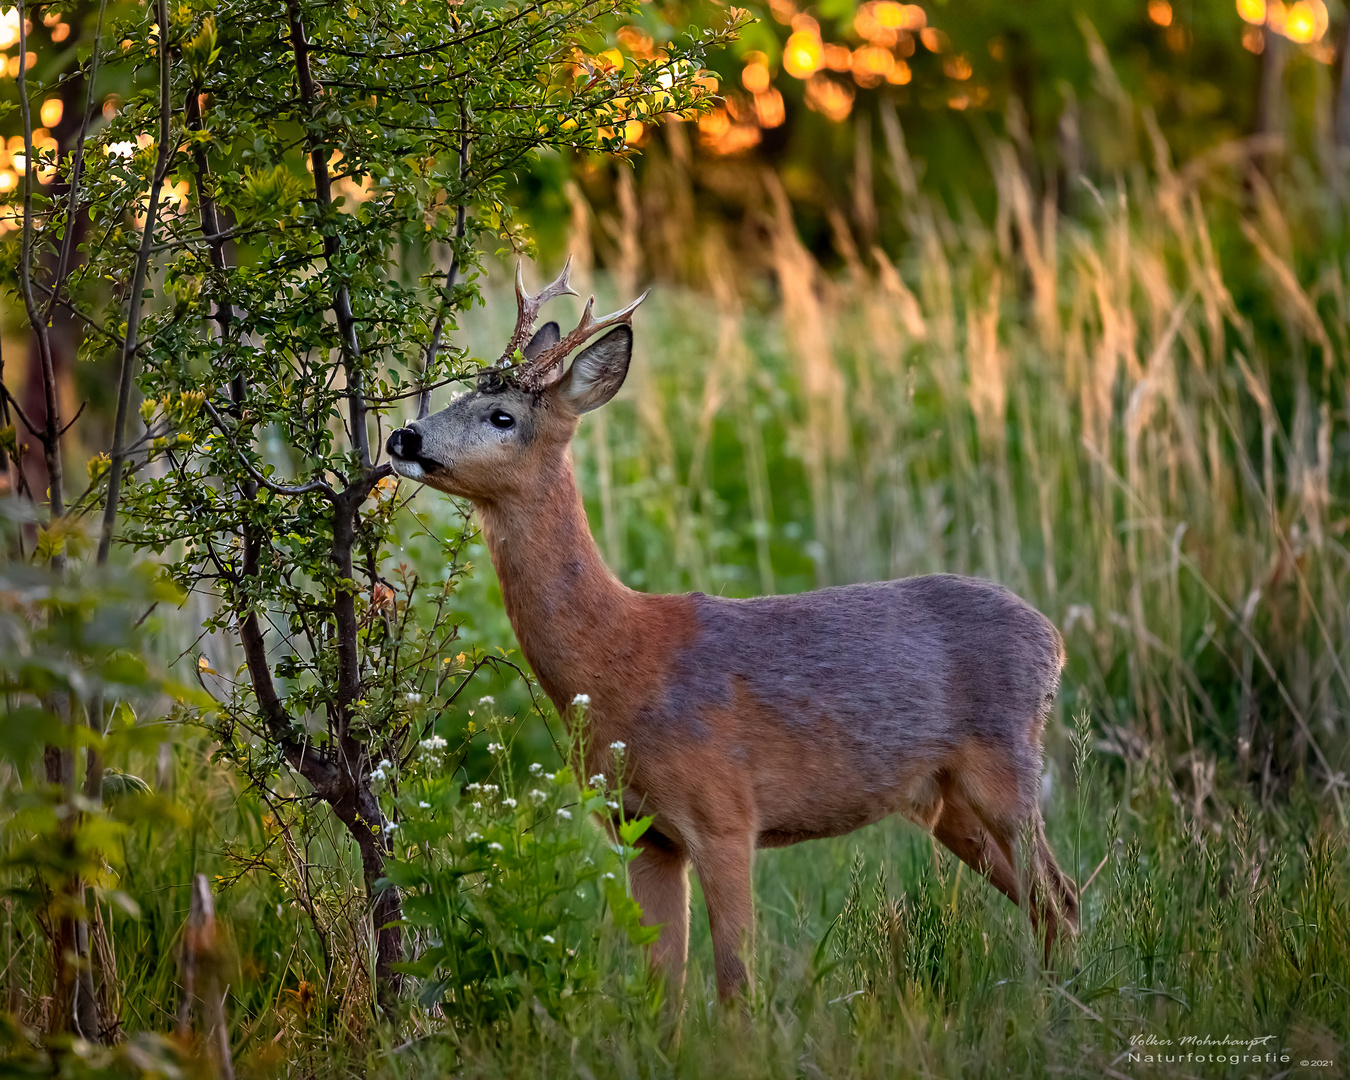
(494, 846)
(598, 780)
(412, 698)
(536, 769)
(495, 748)
(487, 699)
(423, 805)
(385, 763)
(434, 743)
(475, 806)
(609, 877)
(618, 746)
(549, 776)
(548, 938)
(509, 802)
(474, 787)
(377, 774)
(473, 836)
(582, 699)
(565, 814)
(611, 804)
(537, 795)
(490, 789)
(389, 828)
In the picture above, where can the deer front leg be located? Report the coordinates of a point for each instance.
(660, 880)
(723, 865)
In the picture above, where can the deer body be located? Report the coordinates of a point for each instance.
(754, 723)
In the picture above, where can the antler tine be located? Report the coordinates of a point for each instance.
(527, 306)
(586, 329)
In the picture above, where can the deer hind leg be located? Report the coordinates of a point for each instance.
(723, 865)
(660, 880)
(962, 831)
(1059, 897)
(1001, 793)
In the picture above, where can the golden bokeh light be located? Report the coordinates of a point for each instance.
(1305, 21)
(9, 27)
(60, 32)
(934, 40)
(720, 134)
(829, 97)
(871, 64)
(769, 109)
(52, 110)
(636, 41)
(1160, 12)
(900, 74)
(838, 58)
(803, 54)
(956, 67)
(755, 74)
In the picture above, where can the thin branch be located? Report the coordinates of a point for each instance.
(65, 304)
(76, 168)
(320, 484)
(135, 303)
(447, 291)
(51, 443)
(323, 195)
(14, 403)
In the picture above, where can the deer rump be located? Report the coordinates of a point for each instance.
(828, 710)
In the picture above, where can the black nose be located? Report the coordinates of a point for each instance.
(404, 443)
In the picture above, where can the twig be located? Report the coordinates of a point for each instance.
(135, 304)
(14, 403)
(280, 489)
(1093, 876)
(447, 291)
(51, 443)
(323, 197)
(76, 168)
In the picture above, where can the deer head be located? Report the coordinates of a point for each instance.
(499, 438)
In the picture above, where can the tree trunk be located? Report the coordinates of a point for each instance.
(357, 810)
(1270, 104)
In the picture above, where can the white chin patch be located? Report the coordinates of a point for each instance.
(410, 469)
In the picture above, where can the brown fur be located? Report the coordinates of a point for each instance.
(726, 751)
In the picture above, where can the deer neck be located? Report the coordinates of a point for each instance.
(569, 612)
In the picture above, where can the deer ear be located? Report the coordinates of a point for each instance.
(597, 373)
(546, 336)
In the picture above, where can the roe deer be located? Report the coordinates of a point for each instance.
(747, 723)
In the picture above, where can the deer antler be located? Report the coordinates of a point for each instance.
(527, 308)
(536, 372)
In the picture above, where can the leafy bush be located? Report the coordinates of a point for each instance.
(509, 883)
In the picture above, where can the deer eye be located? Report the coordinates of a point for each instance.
(500, 418)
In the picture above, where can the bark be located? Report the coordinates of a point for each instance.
(1270, 104)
